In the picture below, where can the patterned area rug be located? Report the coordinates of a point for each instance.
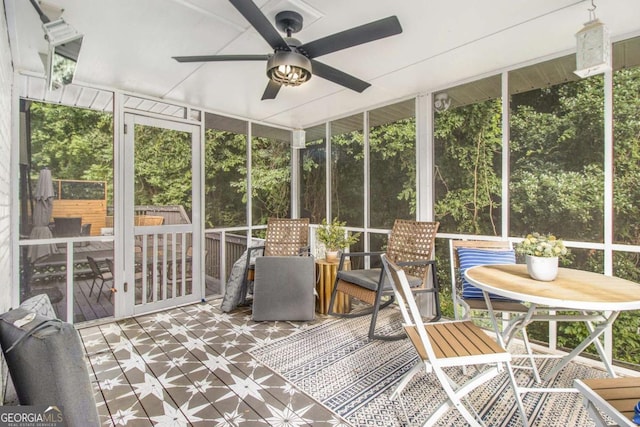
(336, 364)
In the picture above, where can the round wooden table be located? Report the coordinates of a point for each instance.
(592, 298)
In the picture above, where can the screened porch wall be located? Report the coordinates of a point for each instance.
(6, 136)
(360, 199)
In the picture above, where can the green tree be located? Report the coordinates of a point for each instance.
(163, 174)
(225, 179)
(74, 143)
(468, 144)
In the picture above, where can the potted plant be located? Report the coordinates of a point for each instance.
(335, 237)
(542, 254)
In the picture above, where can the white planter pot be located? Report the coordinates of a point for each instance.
(542, 268)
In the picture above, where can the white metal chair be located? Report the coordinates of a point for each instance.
(467, 299)
(612, 398)
(448, 344)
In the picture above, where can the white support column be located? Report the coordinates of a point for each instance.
(506, 172)
(10, 203)
(123, 162)
(424, 177)
(367, 181)
(198, 239)
(424, 158)
(608, 193)
(295, 182)
(608, 172)
(328, 212)
(249, 188)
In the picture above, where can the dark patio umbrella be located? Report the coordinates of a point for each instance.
(41, 214)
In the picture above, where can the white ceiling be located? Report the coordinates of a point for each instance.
(128, 45)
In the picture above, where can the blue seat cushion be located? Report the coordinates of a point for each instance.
(471, 257)
(369, 279)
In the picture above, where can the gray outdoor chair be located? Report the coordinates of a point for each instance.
(284, 288)
(284, 237)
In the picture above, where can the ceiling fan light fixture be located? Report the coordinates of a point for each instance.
(289, 68)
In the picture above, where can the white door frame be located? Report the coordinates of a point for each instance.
(124, 250)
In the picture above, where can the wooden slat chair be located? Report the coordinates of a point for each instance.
(411, 245)
(614, 398)
(467, 298)
(449, 344)
(460, 301)
(284, 237)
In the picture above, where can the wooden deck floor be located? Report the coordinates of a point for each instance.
(87, 307)
(50, 280)
(191, 366)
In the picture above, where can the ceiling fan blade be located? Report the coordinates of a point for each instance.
(213, 58)
(326, 72)
(256, 18)
(358, 35)
(271, 91)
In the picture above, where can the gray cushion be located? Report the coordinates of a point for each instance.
(233, 291)
(40, 304)
(48, 367)
(283, 288)
(369, 279)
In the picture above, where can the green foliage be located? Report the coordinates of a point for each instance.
(347, 177)
(74, 143)
(162, 167)
(334, 235)
(393, 172)
(270, 179)
(313, 181)
(468, 155)
(225, 178)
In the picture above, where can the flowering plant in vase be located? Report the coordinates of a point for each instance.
(541, 245)
(542, 254)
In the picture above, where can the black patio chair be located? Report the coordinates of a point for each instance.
(99, 275)
(410, 245)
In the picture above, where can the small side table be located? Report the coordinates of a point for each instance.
(325, 278)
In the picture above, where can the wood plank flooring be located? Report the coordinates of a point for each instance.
(191, 366)
(87, 307)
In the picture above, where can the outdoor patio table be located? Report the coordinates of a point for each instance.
(592, 298)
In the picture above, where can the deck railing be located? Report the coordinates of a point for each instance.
(224, 246)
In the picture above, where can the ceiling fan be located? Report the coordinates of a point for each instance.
(292, 62)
